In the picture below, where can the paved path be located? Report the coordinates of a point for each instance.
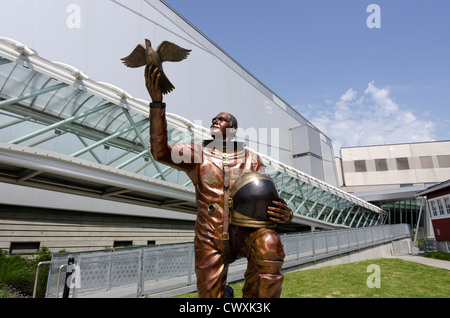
(424, 260)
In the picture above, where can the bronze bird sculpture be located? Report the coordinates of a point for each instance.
(146, 55)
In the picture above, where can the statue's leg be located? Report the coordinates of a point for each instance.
(211, 269)
(263, 278)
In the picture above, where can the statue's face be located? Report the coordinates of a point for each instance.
(221, 127)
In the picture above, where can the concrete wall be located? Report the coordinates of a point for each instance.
(375, 252)
(80, 231)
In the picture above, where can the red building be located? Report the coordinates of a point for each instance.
(438, 207)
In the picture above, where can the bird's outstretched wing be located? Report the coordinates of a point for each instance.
(137, 58)
(165, 85)
(170, 52)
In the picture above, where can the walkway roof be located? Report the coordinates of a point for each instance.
(51, 111)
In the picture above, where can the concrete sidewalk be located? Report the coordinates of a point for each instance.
(423, 260)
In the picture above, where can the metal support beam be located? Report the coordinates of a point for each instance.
(348, 213)
(299, 207)
(114, 191)
(293, 195)
(27, 175)
(286, 185)
(359, 221)
(310, 195)
(61, 123)
(133, 159)
(300, 189)
(144, 143)
(48, 138)
(42, 91)
(163, 173)
(330, 214)
(368, 219)
(321, 211)
(12, 123)
(325, 203)
(354, 216)
(123, 154)
(101, 142)
(91, 150)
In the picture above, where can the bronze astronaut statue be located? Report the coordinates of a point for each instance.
(213, 168)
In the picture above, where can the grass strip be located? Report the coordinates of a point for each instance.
(397, 279)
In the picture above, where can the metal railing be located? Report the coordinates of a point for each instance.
(147, 271)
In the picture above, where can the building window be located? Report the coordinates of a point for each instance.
(426, 162)
(441, 207)
(402, 163)
(433, 208)
(122, 244)
(360, 166)
(444, 161)
(24, 248)
(447, 204)
(151, 242)
(381, 165)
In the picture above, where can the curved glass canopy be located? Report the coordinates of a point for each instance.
(55, 107)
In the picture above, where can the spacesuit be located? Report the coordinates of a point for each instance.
(214, 251)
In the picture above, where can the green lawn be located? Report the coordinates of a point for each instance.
(398, 279)
(441, 256)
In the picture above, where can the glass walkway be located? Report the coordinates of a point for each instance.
(62, 131)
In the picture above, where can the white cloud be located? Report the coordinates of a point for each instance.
(381, 97)
(372, 119)
(348, 96)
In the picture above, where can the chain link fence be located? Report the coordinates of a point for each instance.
(143, 271)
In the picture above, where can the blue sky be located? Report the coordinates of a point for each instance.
(359, 85)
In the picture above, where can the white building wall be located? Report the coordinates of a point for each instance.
(94, 35)
(428, 162)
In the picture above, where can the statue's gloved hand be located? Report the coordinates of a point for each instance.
(152, 76)
(279, 212)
